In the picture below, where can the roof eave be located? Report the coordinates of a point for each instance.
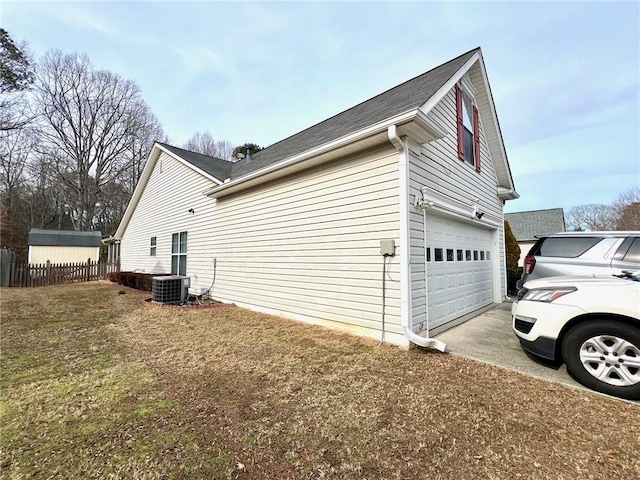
(413, 123)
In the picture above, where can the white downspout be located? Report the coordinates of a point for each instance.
(405, 258)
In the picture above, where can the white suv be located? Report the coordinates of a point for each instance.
(590, 323)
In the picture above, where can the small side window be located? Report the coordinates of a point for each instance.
(633, 254)
(152, 248)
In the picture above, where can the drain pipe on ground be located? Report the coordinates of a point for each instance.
(405, 258)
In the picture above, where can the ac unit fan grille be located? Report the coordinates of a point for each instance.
(168, 289)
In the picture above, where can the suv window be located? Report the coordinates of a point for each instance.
(633, 254)
(570, 247)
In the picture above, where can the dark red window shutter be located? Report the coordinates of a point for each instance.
(460, 124)
(476, 137)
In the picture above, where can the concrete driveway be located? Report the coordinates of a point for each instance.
(489, 338)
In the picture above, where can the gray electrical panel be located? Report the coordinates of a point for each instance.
(387, 248)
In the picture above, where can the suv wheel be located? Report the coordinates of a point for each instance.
(605, 355)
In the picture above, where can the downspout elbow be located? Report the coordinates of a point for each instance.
(405, 315)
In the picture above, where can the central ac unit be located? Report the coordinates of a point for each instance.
(171, 289)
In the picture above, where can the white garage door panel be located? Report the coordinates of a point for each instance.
(461, 282)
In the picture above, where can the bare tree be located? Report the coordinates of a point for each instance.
(205, 143)
(627, 206)
(93, 122)
(630, 217)
(591, 217)
(143, 130)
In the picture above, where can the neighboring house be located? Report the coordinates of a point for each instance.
(296, 229)
(63, 246)
(528, 226)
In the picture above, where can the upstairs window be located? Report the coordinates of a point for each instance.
(468, 129)
(152, 248)
(179, 253)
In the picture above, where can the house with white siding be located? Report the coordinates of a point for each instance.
(385, 220)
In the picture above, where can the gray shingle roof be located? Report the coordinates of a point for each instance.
(405, 97)
(529, 225)
(216, 167)
(64, 238)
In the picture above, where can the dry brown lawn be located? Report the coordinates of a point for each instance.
(97, 384)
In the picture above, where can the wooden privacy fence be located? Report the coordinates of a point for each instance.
(38, 275)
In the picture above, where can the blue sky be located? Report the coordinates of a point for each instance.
(565, 76)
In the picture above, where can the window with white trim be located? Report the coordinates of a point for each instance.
(152, 248)
(179, 253)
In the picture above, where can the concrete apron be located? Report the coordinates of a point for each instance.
(489, 338)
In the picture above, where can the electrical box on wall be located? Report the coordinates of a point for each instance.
(387, 248)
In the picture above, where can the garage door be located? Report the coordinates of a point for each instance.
(458, 269)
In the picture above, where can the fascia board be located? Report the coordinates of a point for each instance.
(449, 84)
(137, 192)
(353, 137)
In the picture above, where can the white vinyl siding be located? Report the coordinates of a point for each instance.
(308, 247)
(436, 165)
(173, 189)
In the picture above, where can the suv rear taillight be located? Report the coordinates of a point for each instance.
(529, 263)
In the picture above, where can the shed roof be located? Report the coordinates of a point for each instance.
(404, 97)
(535, 223)
(64, 238)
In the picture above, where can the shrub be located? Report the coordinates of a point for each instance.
(139, 281)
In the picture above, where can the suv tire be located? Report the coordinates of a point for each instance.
(605, 355)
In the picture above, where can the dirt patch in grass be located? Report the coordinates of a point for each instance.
(228, 393)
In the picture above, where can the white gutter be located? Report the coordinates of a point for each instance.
(507, 193)
(405, 258)
(401, 118)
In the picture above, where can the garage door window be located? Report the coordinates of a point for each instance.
(438, 254)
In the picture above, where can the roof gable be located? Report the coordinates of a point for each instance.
(214, 169)
(409, 95)
(529, 225)
(64, 238)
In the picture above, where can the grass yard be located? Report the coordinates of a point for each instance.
(96, 384)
